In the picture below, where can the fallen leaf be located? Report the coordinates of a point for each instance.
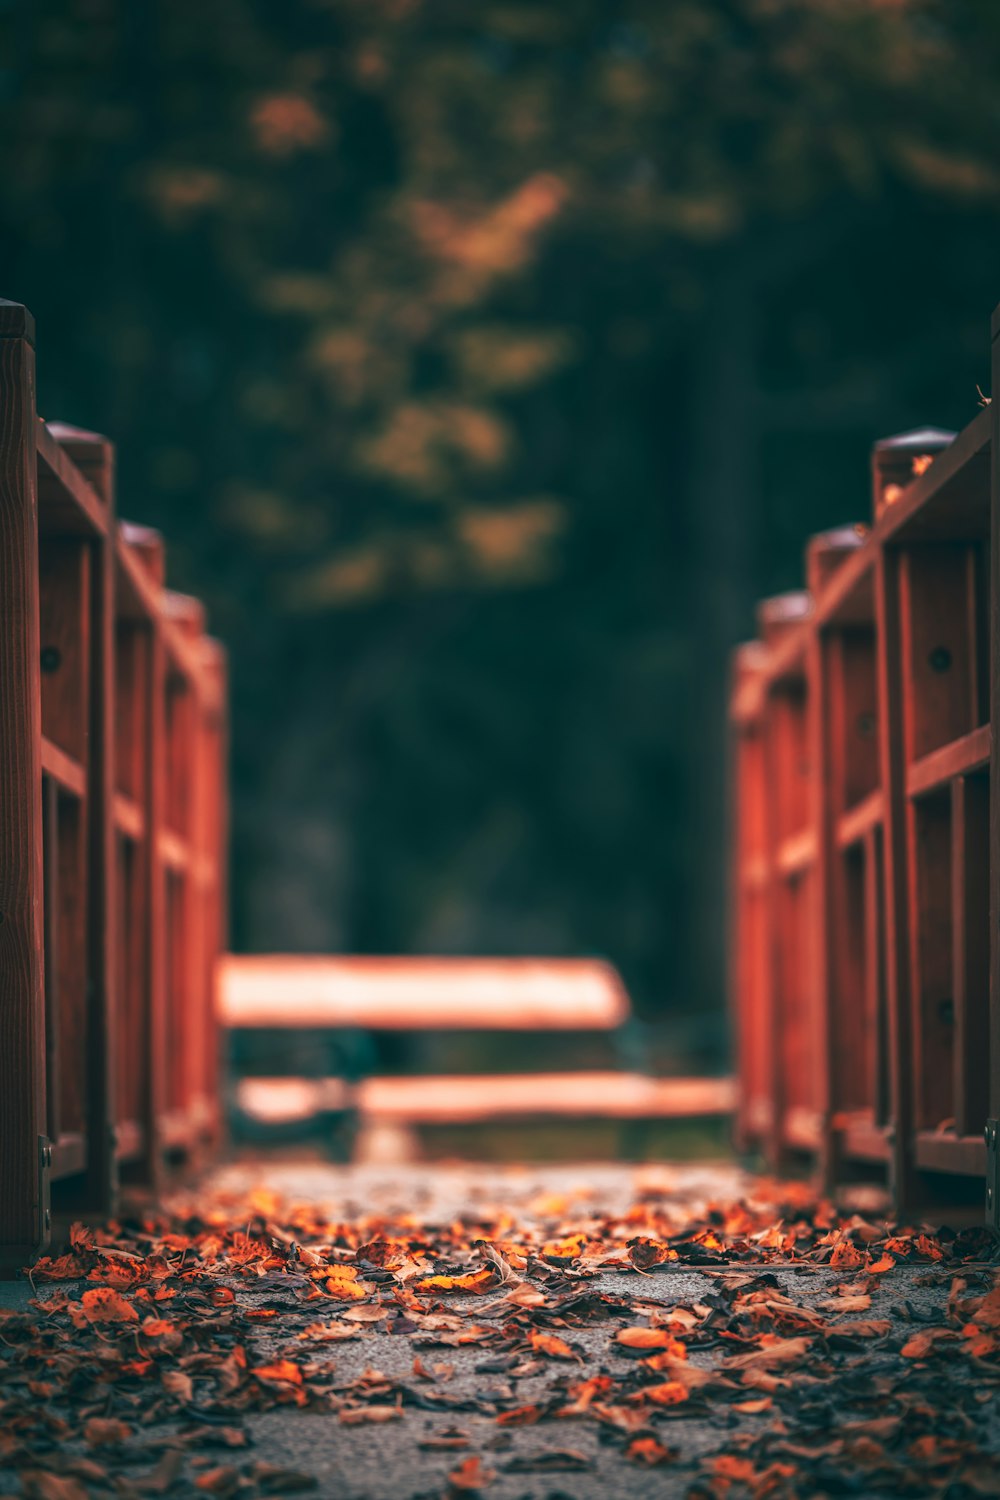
(102, 1304)
(470, 1475)
(649, 1451)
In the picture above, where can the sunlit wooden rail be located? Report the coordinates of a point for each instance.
(865, 959)
(420, 994)
(112, 810)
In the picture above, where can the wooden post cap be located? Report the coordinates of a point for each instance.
(147, 545)
(187, 613)
(899, 459)
(16, 322)
(827, 550)
(780, 614)
(91, 452)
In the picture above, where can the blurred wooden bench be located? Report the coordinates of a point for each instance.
(423, 994)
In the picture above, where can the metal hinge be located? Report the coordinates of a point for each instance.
(44, 1191)
(992, 1138)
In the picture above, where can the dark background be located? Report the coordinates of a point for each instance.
(482, 364)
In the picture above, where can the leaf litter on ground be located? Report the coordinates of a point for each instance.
(157, 1337)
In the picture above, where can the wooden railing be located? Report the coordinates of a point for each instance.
(866, 962)
(112, 832)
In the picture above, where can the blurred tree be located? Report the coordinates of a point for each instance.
(482, 364)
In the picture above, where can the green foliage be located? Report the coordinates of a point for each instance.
(481, 364)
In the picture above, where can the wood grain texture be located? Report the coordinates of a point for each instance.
(22, 1013)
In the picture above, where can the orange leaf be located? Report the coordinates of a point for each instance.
(472, 1281)
(567, 1249)
(343, 1285)
(521, 1416)
(221, 1481)
(669, 1393)
(650, 1338)
(155, 1328)
(470, 1475)
(104, 1305)
(649, 1451)
(283, 1371)
(549, 1344)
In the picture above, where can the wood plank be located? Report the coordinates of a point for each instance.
(22, 1000)
(174, 850)
(951, 498)
(796, 853)
(465, 1100)
(993, 1185)
(848, 597)
(936, 663)
(970, 861)
(50, 876)
(129, 817)
(802, 1129)
(934, 771)
(929, 920)
(94, 454)
(938, 1151)
(64, 770)
(69, 1154)
(897, 956)
(419, 994)
(861, 1139)
(67, 501)
(154, 900)
(65, 583)
(876, 1005)
(130, 1143)
(856, 823)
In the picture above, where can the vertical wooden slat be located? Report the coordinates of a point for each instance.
(827, 773)
(897, 960)
(993, 1124)
(22, 1002)
(970, 859)
(50, 874)
(157, 1059)
(93, 455)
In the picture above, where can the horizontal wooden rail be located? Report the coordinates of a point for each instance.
(460, 1100)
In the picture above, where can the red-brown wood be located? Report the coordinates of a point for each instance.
(22, 1005)
(879, 784)
(89, 789)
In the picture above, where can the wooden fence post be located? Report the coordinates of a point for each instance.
(24, 1212)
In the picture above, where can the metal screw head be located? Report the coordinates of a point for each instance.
(51, 659)
(939, 659)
